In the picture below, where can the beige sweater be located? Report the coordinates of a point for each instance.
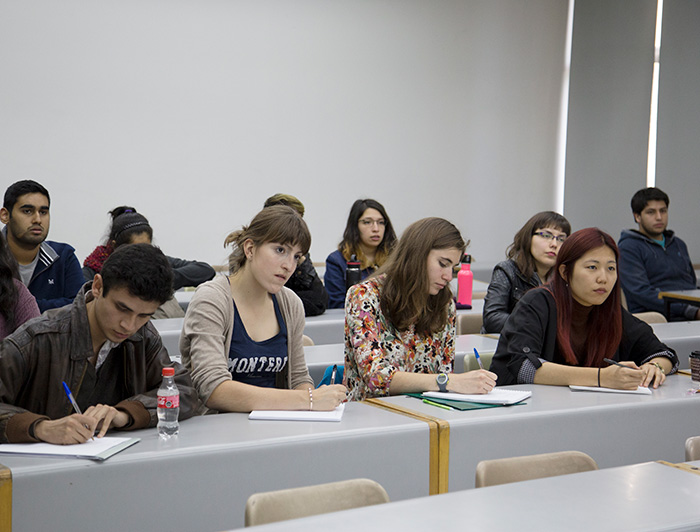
(206, 337)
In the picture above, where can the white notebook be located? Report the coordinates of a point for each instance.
(97, 449)
(497, 396)
(639, 391)
(298, 415)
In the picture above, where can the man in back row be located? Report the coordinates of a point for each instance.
(50, 270)
(103, 347)
(653, 259)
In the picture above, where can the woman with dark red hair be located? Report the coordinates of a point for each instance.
(559, 334)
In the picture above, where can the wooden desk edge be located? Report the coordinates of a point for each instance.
(5, 499)
(683, 467)
(678, 297)
(439, 459)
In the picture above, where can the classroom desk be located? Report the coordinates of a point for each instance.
(681, 336)
(169, 330)
(319, 357)
(184, 297)
(202, 481)
(689, 297)
(614, 429)
(648, 496)
(329, 327)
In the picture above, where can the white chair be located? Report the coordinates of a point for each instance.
(469, 323)
(692, 449)
(294, 503)
(506, 470)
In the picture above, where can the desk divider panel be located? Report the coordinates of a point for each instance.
(439, 444)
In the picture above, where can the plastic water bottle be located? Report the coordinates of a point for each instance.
(168, 405)
(353, 275)
(465, 282)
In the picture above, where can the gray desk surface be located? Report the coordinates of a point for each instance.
(202, 481)
(614, 429)
(647, 496)
(681, 336)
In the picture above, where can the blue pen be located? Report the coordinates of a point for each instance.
(71, 398)
(478, 358)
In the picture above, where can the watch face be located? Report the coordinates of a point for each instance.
(442, 378)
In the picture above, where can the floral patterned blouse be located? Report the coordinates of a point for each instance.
(375, 350)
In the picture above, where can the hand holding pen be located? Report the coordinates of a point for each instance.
(625, 376)
(651, 373)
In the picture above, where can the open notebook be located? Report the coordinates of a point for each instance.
(497, 396)
(639, 391)
(97, 449)
(298, 415)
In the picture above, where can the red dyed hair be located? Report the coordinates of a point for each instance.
(605, 321)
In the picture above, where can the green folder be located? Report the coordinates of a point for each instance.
(457, 405)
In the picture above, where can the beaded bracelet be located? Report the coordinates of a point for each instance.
(311, 399)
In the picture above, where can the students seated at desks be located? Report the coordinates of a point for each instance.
(130, 227)
(50, 270)
(102, 347)
(17, 304)
(653, 259)
(560, 333)
(305, 281)
(400, 323)
(531, 259)
(242, 334)
(369, 236)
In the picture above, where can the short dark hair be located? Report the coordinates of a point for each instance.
(20, 188)
(126, 223)
(644, 196)
(142, 269)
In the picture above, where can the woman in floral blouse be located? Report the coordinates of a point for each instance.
(400, 323)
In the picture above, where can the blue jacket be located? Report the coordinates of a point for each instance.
(334, 278)
(57, 276)
(646, 268)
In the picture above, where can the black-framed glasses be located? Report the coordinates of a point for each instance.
(549, 236)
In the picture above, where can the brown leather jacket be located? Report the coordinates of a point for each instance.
(57, 347)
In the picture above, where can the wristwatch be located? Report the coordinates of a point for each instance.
(442, 380)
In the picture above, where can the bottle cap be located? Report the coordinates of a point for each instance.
(168, 372)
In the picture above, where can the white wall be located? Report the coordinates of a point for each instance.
(195, 111)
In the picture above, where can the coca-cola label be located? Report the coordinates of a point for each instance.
(168, 401)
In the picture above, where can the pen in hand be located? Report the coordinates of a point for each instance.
(73, 402)
(71, 399)
(478, 358)
(333, 373)
(610, 361)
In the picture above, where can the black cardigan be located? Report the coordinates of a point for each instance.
(531, 334)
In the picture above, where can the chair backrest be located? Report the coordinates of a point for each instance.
(470, 363)
(651, 317)
(506, 470)
(623, 299)
(692, 448)
(294, 503)
(469, 323)
(306, 340)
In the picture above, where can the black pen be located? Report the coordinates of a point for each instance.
(335, 370)
(610, 361)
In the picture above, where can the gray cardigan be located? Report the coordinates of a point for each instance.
(205, 340)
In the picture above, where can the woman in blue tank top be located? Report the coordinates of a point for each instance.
(242, 335)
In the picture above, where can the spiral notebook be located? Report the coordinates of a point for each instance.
(497, 396)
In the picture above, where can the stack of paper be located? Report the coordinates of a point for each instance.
(497, 396)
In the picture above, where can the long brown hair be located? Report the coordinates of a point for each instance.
(277, 223)
(605, 320)
(405, 298)
(350, 245)
(519, 250)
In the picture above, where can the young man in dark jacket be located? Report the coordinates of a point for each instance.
(653, 259)
(103, 347)
(50, 270)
